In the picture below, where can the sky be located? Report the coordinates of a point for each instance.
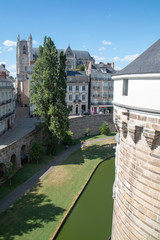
(112, 31)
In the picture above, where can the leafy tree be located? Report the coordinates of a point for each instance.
(104, 129)
(48, 89)
(9, 171)
(81, 67)
(68, 139)
(36, 151)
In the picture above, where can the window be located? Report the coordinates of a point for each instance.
(70, 79)
(95, 101)
(70, 88)
(77, 88)
(77, 97)
(24, 50)
(83, 97)
(70, 97)
(25, 68)
(83, 88)
(125, 87)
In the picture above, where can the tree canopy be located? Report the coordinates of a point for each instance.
(48, 89)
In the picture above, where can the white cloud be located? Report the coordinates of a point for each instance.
(9, 43)
(83, 46)
(10, 49)
(101, 48)
(0, 52)
(114, 48)
(118, 68)
(35, 42)
(128, 58)
(104, 42)
(99, 59)
(2, 63)
(12, 69)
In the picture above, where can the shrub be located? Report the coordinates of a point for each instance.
(104, 129)
(9, 171)
(87, 132)
(36, 151)
(68, 139)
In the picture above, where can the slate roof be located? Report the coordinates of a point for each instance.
(78, 54)
(107, 67)
(147, 62)
(75, 73)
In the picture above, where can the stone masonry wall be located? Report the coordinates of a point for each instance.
(78, 125)
(136, 212)
(16, 147)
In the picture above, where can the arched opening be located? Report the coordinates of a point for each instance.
(13, 160)
(24, 50)
(2, 170)
(24, 157)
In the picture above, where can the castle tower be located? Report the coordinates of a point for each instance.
(136, 189)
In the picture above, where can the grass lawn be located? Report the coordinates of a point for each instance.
(39, 212)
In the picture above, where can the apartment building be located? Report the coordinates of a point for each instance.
(77, 92)
(7, 104)
(101, 87)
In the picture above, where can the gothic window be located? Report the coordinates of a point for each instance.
(24, 50)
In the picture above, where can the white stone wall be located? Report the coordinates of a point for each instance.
(142, 92)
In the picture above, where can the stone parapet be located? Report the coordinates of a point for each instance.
(136, 212)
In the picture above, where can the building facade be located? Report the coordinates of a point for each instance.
(136, 190)
(77, 92)
(101, 87)
(7, 104)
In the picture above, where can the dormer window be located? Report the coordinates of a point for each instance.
(24, 50)
(125, 87)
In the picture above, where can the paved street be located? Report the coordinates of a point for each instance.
(23, 125)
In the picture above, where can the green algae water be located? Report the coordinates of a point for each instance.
(91, 218)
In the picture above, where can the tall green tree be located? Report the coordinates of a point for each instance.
(48, 89)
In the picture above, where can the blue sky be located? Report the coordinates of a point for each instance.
(110, 30)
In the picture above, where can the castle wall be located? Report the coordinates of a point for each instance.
(136, 190)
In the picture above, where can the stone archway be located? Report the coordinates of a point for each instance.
(2, 170)
(14, 160)
(24, 157)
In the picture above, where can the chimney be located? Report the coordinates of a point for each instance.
(3, 74)
(112, 65)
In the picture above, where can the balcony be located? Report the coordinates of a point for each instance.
(95, 87)
(5, 102)
(95, 95)
(77, 101)
(6, 115)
